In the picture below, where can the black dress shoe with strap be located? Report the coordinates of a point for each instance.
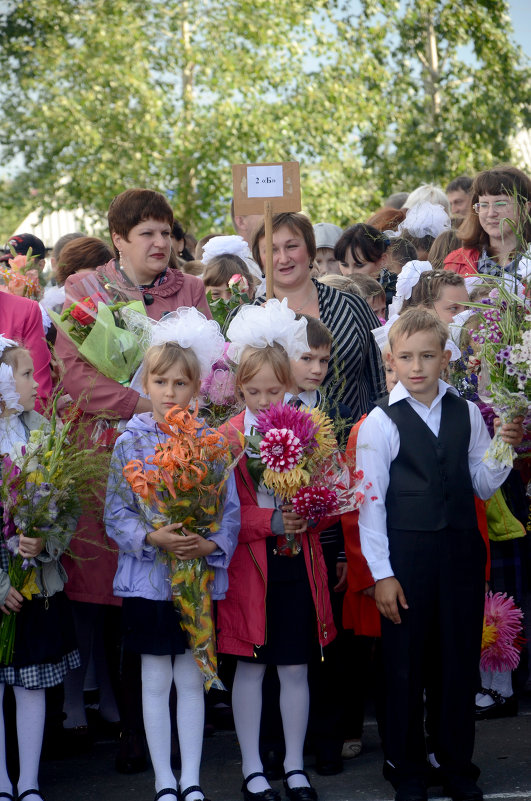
(299, 793)
(263, 795)
(166, 791)
(194, 788)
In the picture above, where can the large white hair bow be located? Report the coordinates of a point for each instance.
(425, 219)
(185, 326)
(219, 245)
(260, 326)
(9, 396)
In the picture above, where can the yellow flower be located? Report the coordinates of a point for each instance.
(36, 477)
(489, 635)
(286, 484)
(326, 440)
(30, 586)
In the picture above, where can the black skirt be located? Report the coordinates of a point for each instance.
(291, 622)
(44, 631)
(152, 627)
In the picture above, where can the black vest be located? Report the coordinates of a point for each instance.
(430, 487)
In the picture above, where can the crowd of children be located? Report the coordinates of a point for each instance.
(398, 588)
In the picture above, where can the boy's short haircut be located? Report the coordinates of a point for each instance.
(319, 336)
(415, 320)
(368, 286)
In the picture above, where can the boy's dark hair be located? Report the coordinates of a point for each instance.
(319, 336)
(415, 320)
(370, 243)
(134, 206)
(463, 182)
(402, 250)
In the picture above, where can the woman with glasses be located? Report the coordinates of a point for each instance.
(496, 232)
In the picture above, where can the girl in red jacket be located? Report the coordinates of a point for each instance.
(277, 608)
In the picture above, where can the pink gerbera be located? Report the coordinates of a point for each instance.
(280, 450)
(315, 502)
(502, 629)
(283, 416)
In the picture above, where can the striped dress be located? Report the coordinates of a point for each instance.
(355, 374)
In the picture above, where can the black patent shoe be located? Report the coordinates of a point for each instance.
(299, 793)
(181, 794)
(501, 708)
(263, 795)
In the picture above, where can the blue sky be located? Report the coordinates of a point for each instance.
(521, 19)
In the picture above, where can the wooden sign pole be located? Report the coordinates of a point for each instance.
(268, 226)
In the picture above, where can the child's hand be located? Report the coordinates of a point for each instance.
(387, 592)
(293, 524)
(511, 433)
(13, 602)
(192, 546)
(165, 537)
(30, 547)
(341, 573)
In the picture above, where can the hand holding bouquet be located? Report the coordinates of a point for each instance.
(187, 485)
(42, 483)
(295, 454)
(504, 345)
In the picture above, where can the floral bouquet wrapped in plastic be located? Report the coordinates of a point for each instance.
(21, 276)
(42, 485)
(218, 392)
(503, 339)
(295, 454)
(187, 485)
(96, 326)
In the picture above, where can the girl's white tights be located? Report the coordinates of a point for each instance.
(31, 708)
(247, 709)
(157, 675)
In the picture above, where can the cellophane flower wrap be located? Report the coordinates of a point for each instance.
(295, 454)
(503, 339)
(502, 639)
(43, 486)
(21, 276)
(96, 326)
(184, 481)
(218, 399)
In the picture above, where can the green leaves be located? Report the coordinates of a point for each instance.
(98, 97)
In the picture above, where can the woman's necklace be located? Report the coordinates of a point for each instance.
(299, 308)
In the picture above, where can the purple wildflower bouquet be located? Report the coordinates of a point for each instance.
(41, 484)
(503, 339)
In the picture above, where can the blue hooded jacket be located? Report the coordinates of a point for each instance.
(141, 572)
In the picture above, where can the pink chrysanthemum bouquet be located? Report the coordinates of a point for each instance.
(502, 639)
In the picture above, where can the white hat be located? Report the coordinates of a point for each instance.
(326, 235)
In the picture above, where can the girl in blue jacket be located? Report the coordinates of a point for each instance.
(184, 346)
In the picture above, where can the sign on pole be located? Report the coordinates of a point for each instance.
(268, 188)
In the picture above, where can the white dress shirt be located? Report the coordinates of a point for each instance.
(378, 445)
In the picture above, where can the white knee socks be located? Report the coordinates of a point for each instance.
(31, 709)
(247, 710)
(294, 708)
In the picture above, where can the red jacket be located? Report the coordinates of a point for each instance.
(21, 320)
(463, 261)
(241, 616)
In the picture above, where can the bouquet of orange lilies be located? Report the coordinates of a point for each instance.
(187, 485)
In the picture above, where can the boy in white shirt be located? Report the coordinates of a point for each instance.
(422, 450)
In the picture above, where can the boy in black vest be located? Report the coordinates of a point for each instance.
(422, 450)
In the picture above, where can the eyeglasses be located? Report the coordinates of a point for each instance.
(497, 205)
